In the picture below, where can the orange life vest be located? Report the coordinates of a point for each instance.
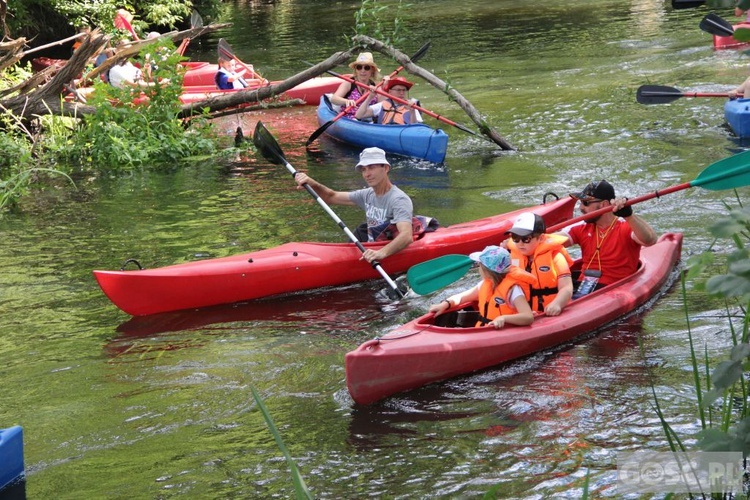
(393, 113)
(494, 302)
(542, 266)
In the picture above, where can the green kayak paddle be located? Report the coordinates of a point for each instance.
(728, 173)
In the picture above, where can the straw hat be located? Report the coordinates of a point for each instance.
(365, 58)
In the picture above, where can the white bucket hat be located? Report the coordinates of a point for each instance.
(372, 156)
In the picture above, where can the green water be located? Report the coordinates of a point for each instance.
(160, 407)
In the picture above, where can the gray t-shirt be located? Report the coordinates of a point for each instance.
(393, 207)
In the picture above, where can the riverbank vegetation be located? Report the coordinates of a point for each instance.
(721, 389)
(118, 135)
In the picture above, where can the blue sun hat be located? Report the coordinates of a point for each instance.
(493, 257)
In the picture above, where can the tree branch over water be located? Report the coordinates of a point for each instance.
(436, 82)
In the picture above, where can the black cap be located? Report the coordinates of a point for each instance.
(526, 224)
(601, 190)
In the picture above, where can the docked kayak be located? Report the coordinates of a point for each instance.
(737, 115)
(417, 140)
(309, 91)
(295, 267)
(11, 456)
(421, 352)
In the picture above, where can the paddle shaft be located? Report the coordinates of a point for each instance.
(661, 94)
(403, 101)
(417, 55)
(375, 264)
(610, 208)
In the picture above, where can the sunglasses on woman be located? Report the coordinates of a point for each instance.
(586, 203)
(521, 239)
(365, 67)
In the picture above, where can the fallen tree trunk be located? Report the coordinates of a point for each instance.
(436, 82)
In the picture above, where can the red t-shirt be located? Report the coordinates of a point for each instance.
(618, 253)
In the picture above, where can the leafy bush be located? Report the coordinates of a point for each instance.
(137, 127)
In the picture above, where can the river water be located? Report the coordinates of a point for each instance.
(160, 407)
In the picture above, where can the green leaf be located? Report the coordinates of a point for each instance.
(715, 440)
(728, 286)
(726, 374)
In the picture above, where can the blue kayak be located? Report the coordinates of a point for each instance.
(417, 140)
(737, 114)
(11, 456)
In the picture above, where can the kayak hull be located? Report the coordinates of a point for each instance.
(11, 456)
(309, 91)
(737, 115)
(294, 267)
(419, 352)
(728, 42)
(417, 140)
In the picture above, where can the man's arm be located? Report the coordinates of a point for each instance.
(643, 233)
(401, 241)
(326, 194)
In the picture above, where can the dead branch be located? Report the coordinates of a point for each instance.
(436, 82)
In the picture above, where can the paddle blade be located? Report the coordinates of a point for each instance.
(438, 273)
(196, 21)
(687, 4)
(422, 51)
(267, 145)
(657, 94)
(225, 50)
(729, 173)
(716, 25)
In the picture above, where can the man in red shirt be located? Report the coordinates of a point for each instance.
(610, 243)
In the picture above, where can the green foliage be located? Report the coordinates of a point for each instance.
(34, 16)
(22, 161)
(726, 391)
(368, 22)
(137, 127)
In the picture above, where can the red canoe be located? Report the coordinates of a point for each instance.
(294, 267)
(420, 352)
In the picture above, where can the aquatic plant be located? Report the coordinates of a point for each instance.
(721, 389)
(300, 487)
(368, 21)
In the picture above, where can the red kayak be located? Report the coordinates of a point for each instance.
(728, 42)
(309, 91)
(421, 352)
(294, 267)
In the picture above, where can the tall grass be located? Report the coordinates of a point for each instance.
(721, 388)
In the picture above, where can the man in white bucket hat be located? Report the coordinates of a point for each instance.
(384, 203)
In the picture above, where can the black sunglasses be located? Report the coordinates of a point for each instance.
(366, 67)
(586, 203)
(524, 239)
